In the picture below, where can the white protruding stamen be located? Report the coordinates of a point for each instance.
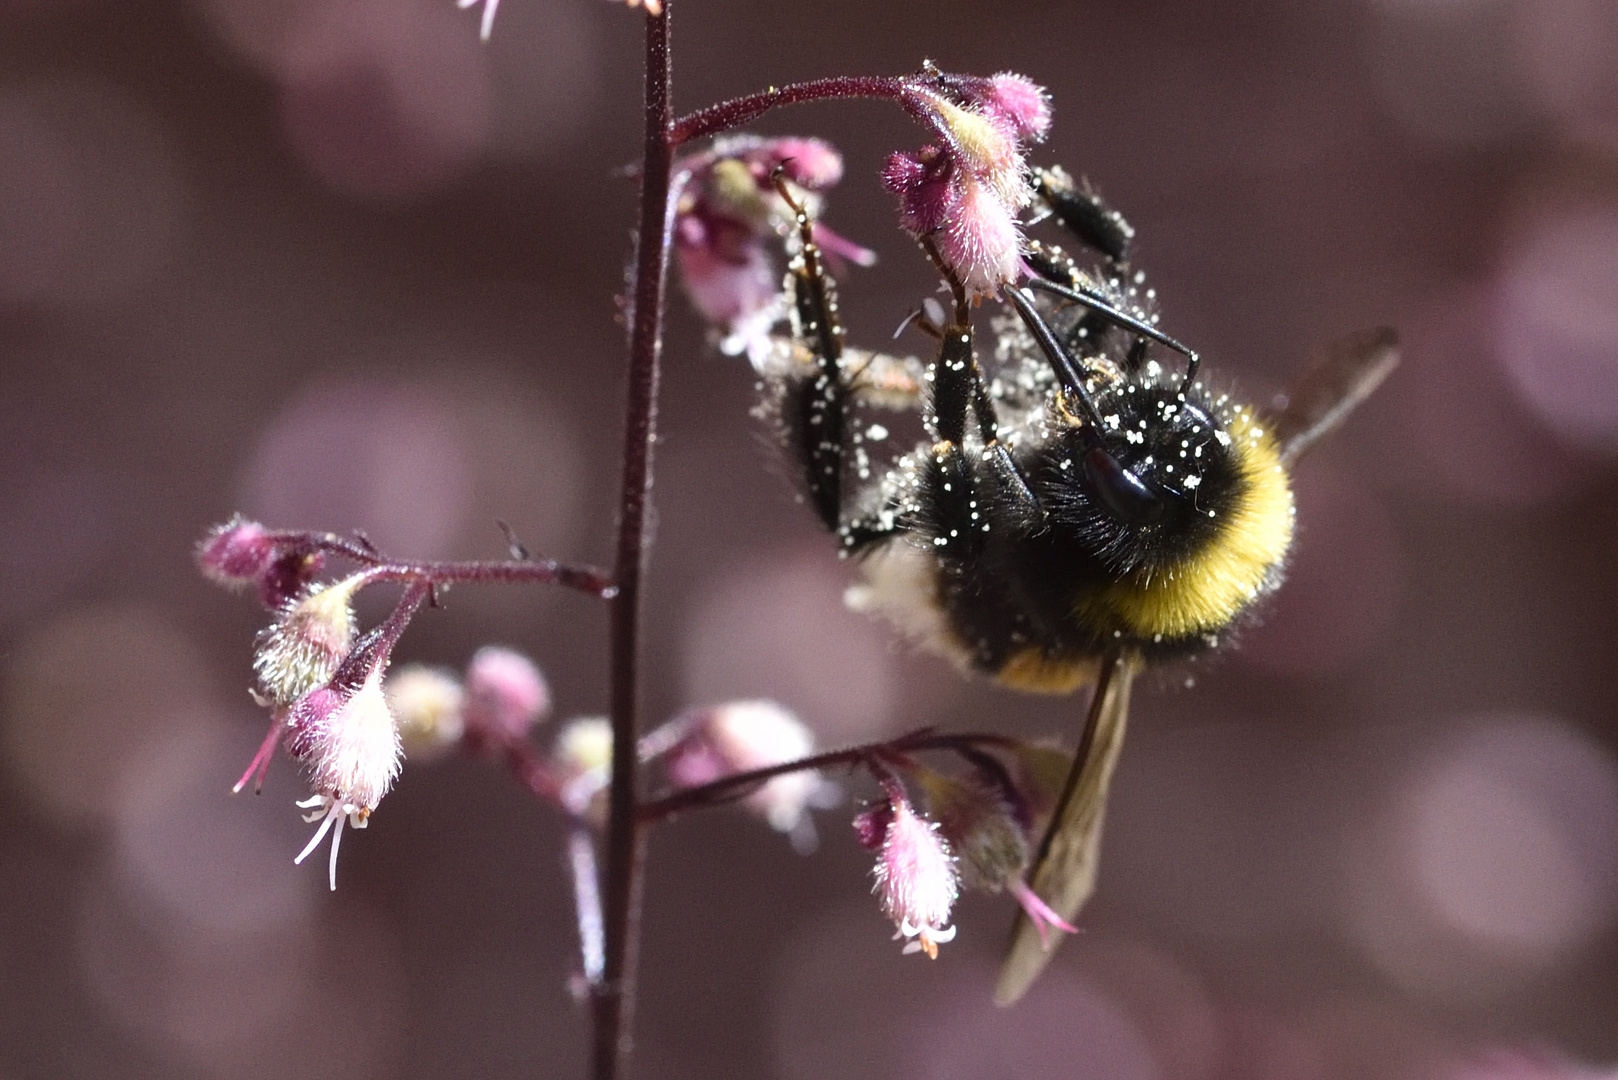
(336, 839)
(320, 833)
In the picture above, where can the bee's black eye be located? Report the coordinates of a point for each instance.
(1130, 500)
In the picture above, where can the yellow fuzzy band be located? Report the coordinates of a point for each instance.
(1207, 591)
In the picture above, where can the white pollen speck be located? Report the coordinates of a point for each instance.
(1210, 513)
(1193, 481)
(876, 433)
(1223, 437)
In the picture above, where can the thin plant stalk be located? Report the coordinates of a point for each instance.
(612, 1000)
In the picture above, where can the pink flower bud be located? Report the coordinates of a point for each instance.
(427, 703)
(871, 825)
(303, 647)
(348, 742)
(236, 552)
(916, 881)
(744, 735)
(505, 695)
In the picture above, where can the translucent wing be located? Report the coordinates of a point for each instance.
(1063, 873)
(1340, 378)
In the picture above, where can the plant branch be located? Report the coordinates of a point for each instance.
(738, 111)
(518, 571)
(612, 999)
(740, 785)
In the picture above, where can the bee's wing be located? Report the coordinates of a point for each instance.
(1064, 871)
(1340, 378)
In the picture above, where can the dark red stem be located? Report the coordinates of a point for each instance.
(520, 571)
(738, 111)
(612, 999)
(740, 785)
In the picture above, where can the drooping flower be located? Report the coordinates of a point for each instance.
(978, 823)
(916, 878)
(347, 740)
(729, 219)
(741, 736)
(963, 194)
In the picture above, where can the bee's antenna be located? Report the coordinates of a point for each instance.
(1123, 319)
(1066, 371)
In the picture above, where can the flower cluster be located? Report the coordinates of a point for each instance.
(323, 681)
(962, 195)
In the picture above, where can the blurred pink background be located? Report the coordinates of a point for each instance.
(336, 264)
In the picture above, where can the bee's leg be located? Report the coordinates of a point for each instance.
(1104, 308)
(963, 489)
(1093, 223)
(1081, 210)
(815, 405)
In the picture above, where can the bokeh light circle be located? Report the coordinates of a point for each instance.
(1556, 322)
(780, 630)
(84, 694)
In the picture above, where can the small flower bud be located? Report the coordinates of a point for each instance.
(505, 694)
(236, 553)
(1014, 99)
(871, 825)
(916, 880)
(427, 703)
(582, 756)
(744, 735)
(303, 647)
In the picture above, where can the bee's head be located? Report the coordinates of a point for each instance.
(1149, 486)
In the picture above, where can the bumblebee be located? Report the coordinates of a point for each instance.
(1074, 511)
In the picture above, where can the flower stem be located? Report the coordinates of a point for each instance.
(612, 999)
(737, 111)
(517, 571)
(740, 785)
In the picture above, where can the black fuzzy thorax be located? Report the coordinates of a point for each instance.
(1021, 579)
